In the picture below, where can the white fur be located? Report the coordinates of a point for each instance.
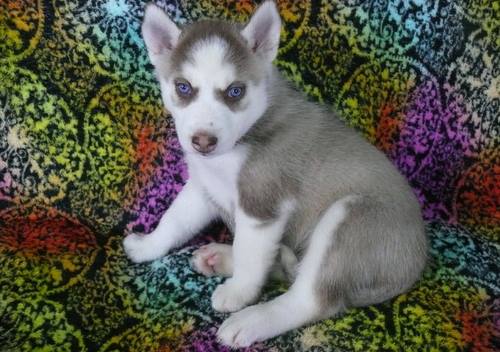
(208, 59)
(254, 251)
(217, 176)
(298, 306)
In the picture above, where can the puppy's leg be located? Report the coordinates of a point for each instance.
(286, 266)
(187, 215)
(255, 246)
(298, 306)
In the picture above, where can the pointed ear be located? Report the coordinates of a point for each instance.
(160, 33)
(263, 31)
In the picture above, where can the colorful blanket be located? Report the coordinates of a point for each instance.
(87, 153)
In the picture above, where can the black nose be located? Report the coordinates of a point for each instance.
(204, 142)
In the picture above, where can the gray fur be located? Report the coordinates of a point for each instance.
(238, 53)
(377, 253)
(301, 151)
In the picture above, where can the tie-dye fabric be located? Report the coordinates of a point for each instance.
(87, 153)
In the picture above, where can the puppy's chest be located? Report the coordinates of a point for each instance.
(221, 189)
(218, 177)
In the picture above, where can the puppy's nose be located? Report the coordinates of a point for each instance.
(204, 142)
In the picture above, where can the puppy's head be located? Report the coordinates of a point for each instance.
(213, 75)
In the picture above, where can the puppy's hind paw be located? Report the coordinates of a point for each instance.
(213, 259)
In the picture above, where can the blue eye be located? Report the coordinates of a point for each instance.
(235, 92)
(183, 88)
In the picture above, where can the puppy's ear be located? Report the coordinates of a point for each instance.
(160, 33)
(262, 32)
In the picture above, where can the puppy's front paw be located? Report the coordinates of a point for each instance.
(143, 248)
(232, 296)
(245, 327)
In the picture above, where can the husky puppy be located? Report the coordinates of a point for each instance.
(301, 191)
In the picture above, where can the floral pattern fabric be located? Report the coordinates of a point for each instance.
(88, 153)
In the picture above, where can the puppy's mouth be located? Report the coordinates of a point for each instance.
(207, 155)
(220, 150)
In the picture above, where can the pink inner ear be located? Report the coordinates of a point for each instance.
(159, 40)
(260, 32)
(167, 41)
(255, 41)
